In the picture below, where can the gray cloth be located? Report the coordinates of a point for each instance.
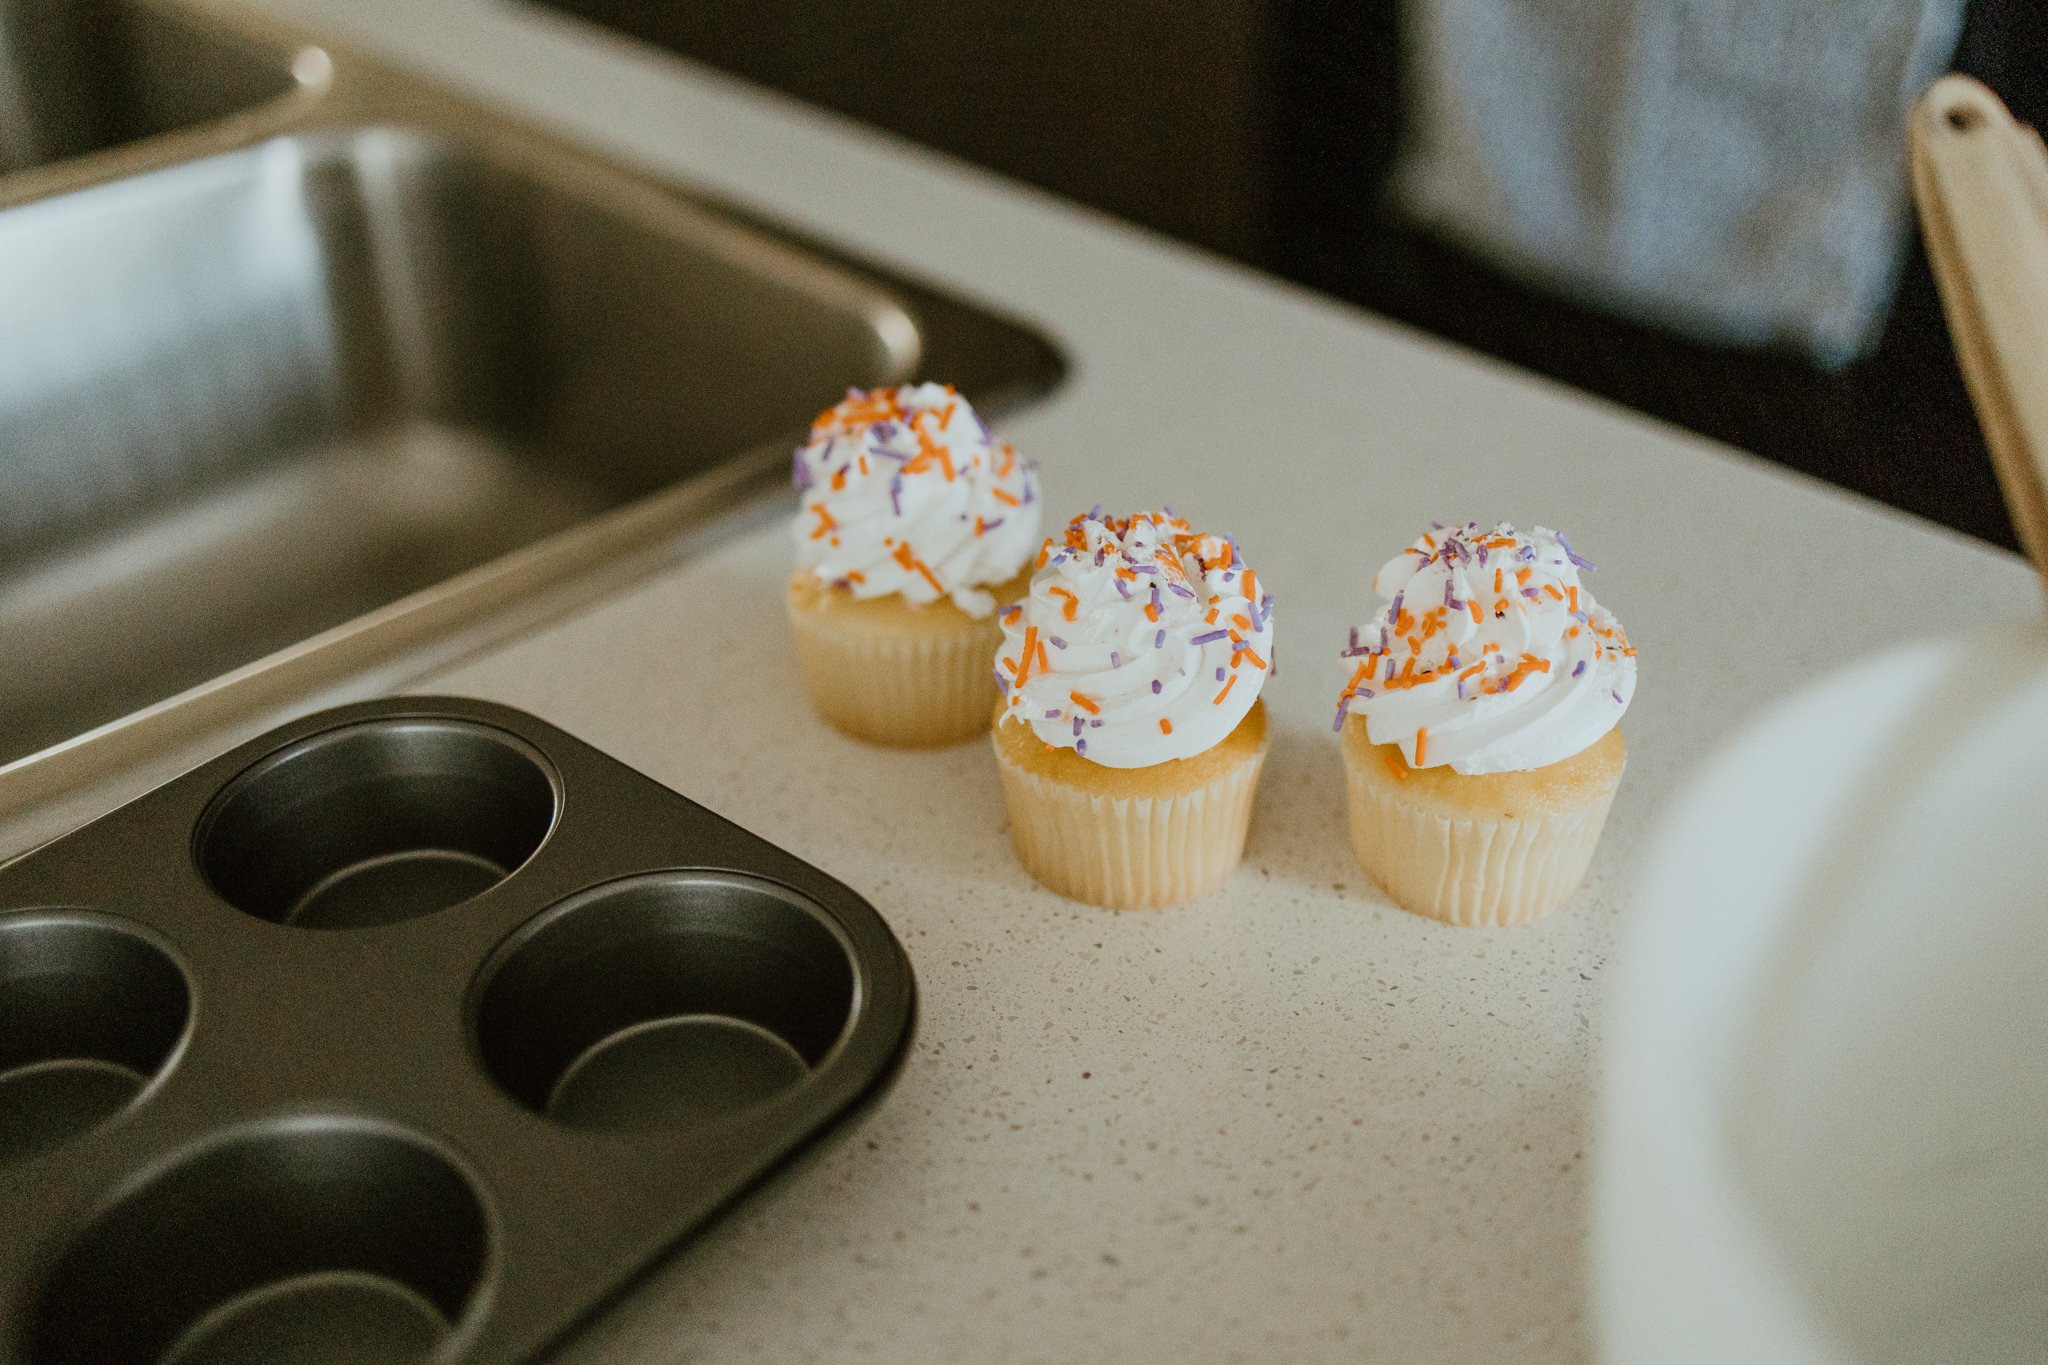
(1733, 169)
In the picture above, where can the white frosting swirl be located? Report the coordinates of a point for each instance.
(1141, 641)
(1491, 657)
(905, 491)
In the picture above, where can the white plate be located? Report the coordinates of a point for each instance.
(1825, 1113)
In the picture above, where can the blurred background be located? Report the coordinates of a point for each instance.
(1692, 207)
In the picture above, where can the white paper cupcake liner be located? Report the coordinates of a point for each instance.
(905, 690)
(1470, 870)
(1130, 853)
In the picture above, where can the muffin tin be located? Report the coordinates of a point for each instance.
(410, 1030)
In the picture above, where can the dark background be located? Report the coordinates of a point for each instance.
(1264, 130)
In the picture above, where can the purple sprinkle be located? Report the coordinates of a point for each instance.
(1167, 507)
(1436, 526)
(1002, 683)
(1077, 725)
(1357, 652)
(1116, 660)
(1616, 696)
(1155, 597)
(1080, 746)
(1229, 575)
(1573, 557)
(988, 526)
(1144, 568)
(1030, 493)
(1184, 592)
(1056, 641)
(986, 434)
(1095, 725)
(1343, 705)
(1578, 668)
(1394, 611)
(1390, 669)
(1206, 636)
(889, 454)
(1155, 687)
(1053, 714)
(1526, 552)
(1219, 672)
(1096, 513)
(1123, 588)
(883, 430)
(1159, 640)
(1532, 594)
(799, 470)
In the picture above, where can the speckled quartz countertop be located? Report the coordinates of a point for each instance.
(1287, 1122)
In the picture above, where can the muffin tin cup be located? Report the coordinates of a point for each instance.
(412, 1030)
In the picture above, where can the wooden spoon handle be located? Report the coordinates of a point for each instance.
(1981, 181)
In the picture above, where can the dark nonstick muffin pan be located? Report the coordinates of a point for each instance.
(410, 1031)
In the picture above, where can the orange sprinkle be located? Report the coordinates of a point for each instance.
(1395, 765)
(839, 480)
(1009, 664)
(1551, 588)
(1253, 655)
(1165, 726)
(1030, 647)
(1572, 598)
(825, 523)
(1241, 621)
(1228, 683)
(1151, 612)
(1251, 587)
(856, 576)
(1068, 608)
(1042, 662)
(1522, 576)
(1005, 496)
(1496, 583)
(1479, 667)
(1421, 747)
(1473, 607)
(1085, 703)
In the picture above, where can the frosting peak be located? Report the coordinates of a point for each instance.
(1491, 656)
(906, 491)
(1141, 640)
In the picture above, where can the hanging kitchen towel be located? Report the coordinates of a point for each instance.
(1733, 169)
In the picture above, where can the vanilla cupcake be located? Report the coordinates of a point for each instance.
(1131, 734)
(1481, 725)
(916, 526)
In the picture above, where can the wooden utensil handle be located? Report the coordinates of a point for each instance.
(1981, 181)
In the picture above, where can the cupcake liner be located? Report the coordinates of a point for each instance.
(1468, 870)
(1130, 852)
(907, 689)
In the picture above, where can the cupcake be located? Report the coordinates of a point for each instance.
(1480, 725)
(1130, 733)
(916, 526)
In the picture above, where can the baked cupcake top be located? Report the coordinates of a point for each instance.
(1491, 656)
(905, 491)
(1142, 640)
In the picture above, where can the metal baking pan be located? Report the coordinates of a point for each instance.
(315, 377)
(411, 1030)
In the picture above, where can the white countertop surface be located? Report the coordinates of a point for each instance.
(1287, 1122)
